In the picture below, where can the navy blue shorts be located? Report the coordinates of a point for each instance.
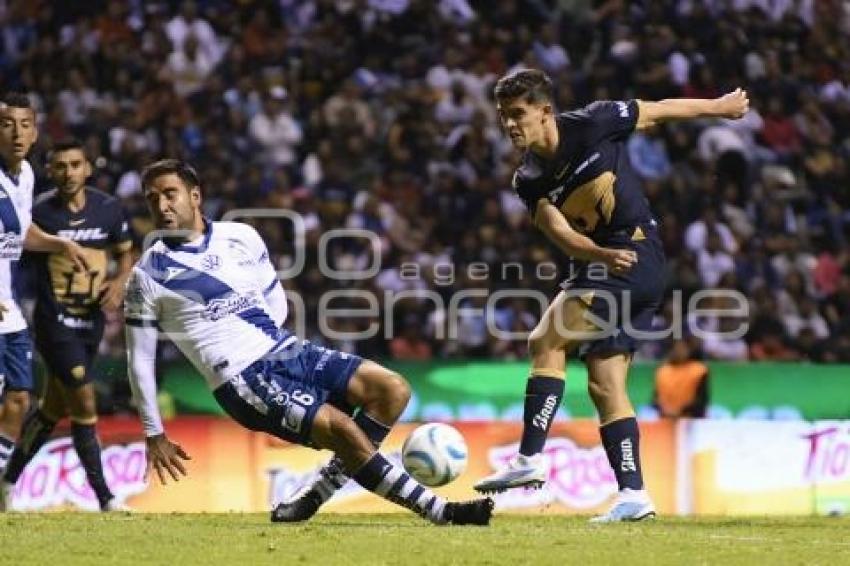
(69, 361)
(16, 362)
(281, 392)
(629, 301)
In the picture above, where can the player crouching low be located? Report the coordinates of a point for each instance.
(210, 287)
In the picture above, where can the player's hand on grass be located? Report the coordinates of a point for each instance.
(733, 105)
(619, 261)
(75, 253)
(112, 294)
(165, 456)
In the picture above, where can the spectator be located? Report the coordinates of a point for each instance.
(681, 384)
(276, 131)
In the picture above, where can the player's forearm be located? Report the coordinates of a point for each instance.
(141, 364)
(732, 105)
(124, 259)
(572, 243)
(685, 108)
(37, 240)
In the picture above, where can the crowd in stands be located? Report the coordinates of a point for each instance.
(377, 115)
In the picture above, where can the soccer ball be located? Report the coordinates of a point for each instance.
(434, 454)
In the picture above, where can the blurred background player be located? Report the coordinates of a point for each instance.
(583, 194)
(17, 135)
(681, 384)
(68, 316)
(210, 287)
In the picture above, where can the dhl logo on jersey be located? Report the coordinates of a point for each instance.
(83, 234)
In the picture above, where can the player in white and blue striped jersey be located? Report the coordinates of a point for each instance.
(18, 133)
(211, 288)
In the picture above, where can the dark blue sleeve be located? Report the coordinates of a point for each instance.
(608, 119)
(120, 232)
(525, 190)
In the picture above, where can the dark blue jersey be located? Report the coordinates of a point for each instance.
(590, 179)
(68, 301)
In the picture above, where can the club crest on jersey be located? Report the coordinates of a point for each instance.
(211, 262)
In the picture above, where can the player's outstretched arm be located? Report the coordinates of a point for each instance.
(37, 240)
(550, 220)
(732, 105)
(163, 455)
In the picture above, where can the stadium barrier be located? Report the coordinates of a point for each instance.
(493, 391)
(691, 467)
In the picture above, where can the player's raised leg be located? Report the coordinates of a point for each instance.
(381, 395)
(559, 330)
(620, 436)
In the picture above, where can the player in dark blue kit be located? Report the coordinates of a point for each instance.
(581, 191)
(68, 318)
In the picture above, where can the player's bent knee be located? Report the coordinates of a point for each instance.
(335, 431)
(398, 390)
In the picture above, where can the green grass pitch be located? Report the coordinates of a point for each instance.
(396, 540)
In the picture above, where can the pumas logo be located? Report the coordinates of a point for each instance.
(83, 234)
(541, 419)
(627, 463)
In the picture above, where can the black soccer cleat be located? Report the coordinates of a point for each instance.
(476, 512)
(297, 510)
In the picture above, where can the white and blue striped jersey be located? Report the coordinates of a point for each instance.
(217, 298)
(15, 219)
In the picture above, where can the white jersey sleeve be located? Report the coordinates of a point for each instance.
(142, 334)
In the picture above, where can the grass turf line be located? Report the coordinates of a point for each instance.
(394, 540)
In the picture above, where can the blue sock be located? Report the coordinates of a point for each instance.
(392, 483)
(542, 399)
(375, 430)
(88, 450)
(621, 440)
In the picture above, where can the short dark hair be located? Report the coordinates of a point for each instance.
(533, 85)
(162, 167)
(16, 100)
(67, 145)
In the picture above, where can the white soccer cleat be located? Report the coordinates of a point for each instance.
(6, 490)
(631, 505)
(115, 505)
(521, 471)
